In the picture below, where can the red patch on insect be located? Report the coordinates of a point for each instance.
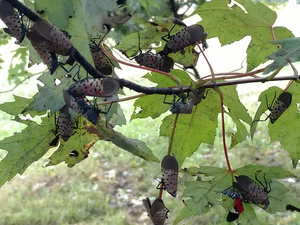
(238, 206)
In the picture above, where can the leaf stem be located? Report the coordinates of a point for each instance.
(120, 100)
(172, 134)
(161, 189)
(210, 67)
(223, 128)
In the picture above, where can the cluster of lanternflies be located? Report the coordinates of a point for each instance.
(49, 42)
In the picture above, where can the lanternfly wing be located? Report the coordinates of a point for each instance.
(12, 20)
(65, 123)
(97, 87)
(183, 107)
(169, 169)
(101, 61)
(281, 104)
(157, 212)
(188, 36)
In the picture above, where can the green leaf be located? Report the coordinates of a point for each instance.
(286, 127)
(152, 105)
(188, 58)
(232, 101)
(150, 34)
(4, 38)
(134, 146)
(116, 115)
(78, 30)
(232, 24)
(272, 172)
(50, 96)
(203, 194)
(94, 11)
(60, 18)
(241, 134)
(16, 107)
(19, 63)
(84, 138)
(193, 129)
(24, 148)
(280, 196)
(289, 52)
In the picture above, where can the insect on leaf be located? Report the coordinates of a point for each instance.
(233, 24)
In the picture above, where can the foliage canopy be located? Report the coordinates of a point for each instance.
(81, 19)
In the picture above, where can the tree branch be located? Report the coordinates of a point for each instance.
(136, 87)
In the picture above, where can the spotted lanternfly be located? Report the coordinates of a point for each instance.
(155, 61)
(48, 40)
(101, 61)
(169, 170)
(280, 105)
(82, 106)
(65, 123)
(188, 36)
(253, 191)
(59, 42)
(232, 193)
(12, 20)
(96, 87)
(157, 212)
(42, 48)
(238, 208)
(185, 107)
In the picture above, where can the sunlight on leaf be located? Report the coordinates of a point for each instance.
(232, 24)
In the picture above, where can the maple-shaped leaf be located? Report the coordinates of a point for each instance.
(289, 52)
(204, 194)
(59, 18)
(286, 126)
(193, 129)
(187, 138)
(50, 95)
(279, 196)
(237, 111)
(281, 129)
(241, 132)
(150, 35)
(233, 24)
(97, 13)
(16, 107)
(153, 105)
(77, 147)
(78, 30)
(24, 148)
